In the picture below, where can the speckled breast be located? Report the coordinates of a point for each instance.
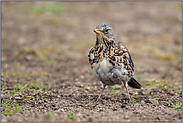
(110, 65)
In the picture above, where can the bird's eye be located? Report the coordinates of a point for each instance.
(106, 31)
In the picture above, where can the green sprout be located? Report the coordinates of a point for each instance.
(48, 114)
(140, 77)
(152, 97)
(178, 104)
(9, 108)
(70, 116)
(150, 86)
(133, 101)
(115, 91)
(40, 96)
(20, 86)
(14, 92)
(2, 90)
(41, 86)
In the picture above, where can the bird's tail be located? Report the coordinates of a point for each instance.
(134, 84)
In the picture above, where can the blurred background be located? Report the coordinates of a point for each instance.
(45, 46)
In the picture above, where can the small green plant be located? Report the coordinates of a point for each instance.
(147, 96)
(40, 86)
(2, 90)
(45, 107)
(155, 98)
(180, 94)
(133, 101)
(150, 86)
(49, 61)
(20, 86)
(44, 86)
(17, 108)
(35, 84)
(14, 92)
(48, 114)
(115, 91)
(9, 108)
(152, 97)
(140, 77)
(167, 86)
(177, 106)
(40, 96)
(70, 116)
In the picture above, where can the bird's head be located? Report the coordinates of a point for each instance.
(105, 34)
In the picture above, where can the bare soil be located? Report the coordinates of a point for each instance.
(47, 43)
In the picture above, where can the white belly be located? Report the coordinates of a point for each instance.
(109, 74)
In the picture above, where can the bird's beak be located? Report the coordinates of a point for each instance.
(97, 31)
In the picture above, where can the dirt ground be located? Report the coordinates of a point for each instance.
(45, 74)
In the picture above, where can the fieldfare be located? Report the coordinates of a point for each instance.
(110, 60)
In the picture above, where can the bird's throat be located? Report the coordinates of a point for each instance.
(102, 40)
(101, 43)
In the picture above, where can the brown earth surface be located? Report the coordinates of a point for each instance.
(45, 74)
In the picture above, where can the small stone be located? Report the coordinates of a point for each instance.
(142, 102)
(62, 109)
(126, 117)
(76, 79)
(82, 76)
(18, 98)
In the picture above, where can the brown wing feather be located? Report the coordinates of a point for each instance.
(130, 60)
(119, 56)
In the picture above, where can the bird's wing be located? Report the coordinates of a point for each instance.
(94, 54)
(129, 58)
(91, 55)
(121, 59)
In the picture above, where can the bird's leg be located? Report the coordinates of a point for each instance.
(126, 86)
(100, 94)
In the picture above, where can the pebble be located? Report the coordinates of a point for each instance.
(82, 76)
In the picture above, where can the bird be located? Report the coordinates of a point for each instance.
(111, 61)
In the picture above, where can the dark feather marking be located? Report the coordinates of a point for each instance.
(111, 62)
